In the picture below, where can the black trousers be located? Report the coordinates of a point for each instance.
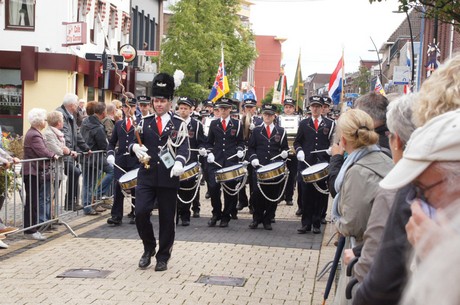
(313, 203)
(73, 174)
(145, 197)
(216, 202)
(184, 196)
(291, 164)
(31, 206)
(264, 209)
(118, 198)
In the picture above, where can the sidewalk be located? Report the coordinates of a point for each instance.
(279, 266)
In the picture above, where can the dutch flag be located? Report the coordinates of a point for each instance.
(335, 83)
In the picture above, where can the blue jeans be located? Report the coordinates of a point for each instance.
(89, 180)
(105, 189)
(44, 201)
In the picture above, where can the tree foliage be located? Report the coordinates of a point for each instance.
(363, 80)
(268, 96)
(447, 11)
(196, 32)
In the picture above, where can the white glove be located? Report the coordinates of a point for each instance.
(211, 158)
(178, 169)
(301, 156)
(111, 159)
(140, 151)
(240, 154)
(252, 126)
(284, 154)
(255, 163)
(329, 151)
(202, 151)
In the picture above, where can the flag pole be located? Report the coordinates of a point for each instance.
(297, 85)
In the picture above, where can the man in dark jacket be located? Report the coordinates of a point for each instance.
(93, 132)
(75, 142)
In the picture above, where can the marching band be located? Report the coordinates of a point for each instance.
(178, 152)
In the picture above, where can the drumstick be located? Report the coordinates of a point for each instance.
(217, 164)
(318, 151)
(244, 150)
(195, 149)
(306, 163)
(275, 157)
(119, 168)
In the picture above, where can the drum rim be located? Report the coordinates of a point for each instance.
(136, 170)
(281, 163)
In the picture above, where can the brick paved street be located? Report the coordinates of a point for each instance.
(279, 266)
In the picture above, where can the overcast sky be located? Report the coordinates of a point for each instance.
(320, 28)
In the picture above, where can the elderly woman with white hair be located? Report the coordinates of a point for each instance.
(36, 173)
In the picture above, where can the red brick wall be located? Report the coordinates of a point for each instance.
(267, 66)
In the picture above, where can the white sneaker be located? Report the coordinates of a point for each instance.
(3, 245)
(37, 236)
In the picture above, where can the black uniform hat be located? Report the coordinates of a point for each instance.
(234, 112)
(316, 99)
(131, 101)
(223, 102)
(268, 108)
(186, 101)
(249, 102)
(327, 101)
(144, 99)
(207, 103)
(204, 113)
(163, 86)
(289, 101)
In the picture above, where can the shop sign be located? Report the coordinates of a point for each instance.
(75, 33)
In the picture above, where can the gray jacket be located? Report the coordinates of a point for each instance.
(73, 138)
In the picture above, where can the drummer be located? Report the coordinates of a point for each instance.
(266, 142)
(225, 141)
(118, 152)
(197, 141)
(315, 133)
(165, 149)
(327, 104)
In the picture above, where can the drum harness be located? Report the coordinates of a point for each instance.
(285, 179)
(198, 179)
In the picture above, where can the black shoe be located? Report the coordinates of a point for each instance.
(130, 215)
(212, 222)
(161, 266)
(241, 206)
(132, 221)
(316, 231)
(272, 220)
(223, 223)
(267, 226)
(323, 221)
(304, 229)
(196, 214)
(251, 210)
(253, 225)
(185, 223)
(289, 202)
(207, 196)
(114, 221)
(146, 258)
(298, 212)
(78, 207)
(234, 216)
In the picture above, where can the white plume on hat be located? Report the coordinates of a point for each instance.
(178, 77)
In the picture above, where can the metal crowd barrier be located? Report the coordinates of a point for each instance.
(41, 192)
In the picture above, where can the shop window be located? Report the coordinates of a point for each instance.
(20, 15)
(11, 101)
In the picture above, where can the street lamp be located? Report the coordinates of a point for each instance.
(378, 58)
(406, 11)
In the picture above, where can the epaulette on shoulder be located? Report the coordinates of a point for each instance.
(148, 116)
(178, 117)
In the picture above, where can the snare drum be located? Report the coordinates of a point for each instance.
(190, 171)
(315, 172)
(129, 180)
(271, 171)
(231, 173)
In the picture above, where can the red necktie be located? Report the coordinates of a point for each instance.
(316, 124)
(128, 124)
(159, 125)
(268, 131)
(224, 125)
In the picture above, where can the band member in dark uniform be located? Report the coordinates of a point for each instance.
(225, 141)
(197, 141)
(164, 153)
(315, 133)
(118, 153)
(249, 121)
(266, 142)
